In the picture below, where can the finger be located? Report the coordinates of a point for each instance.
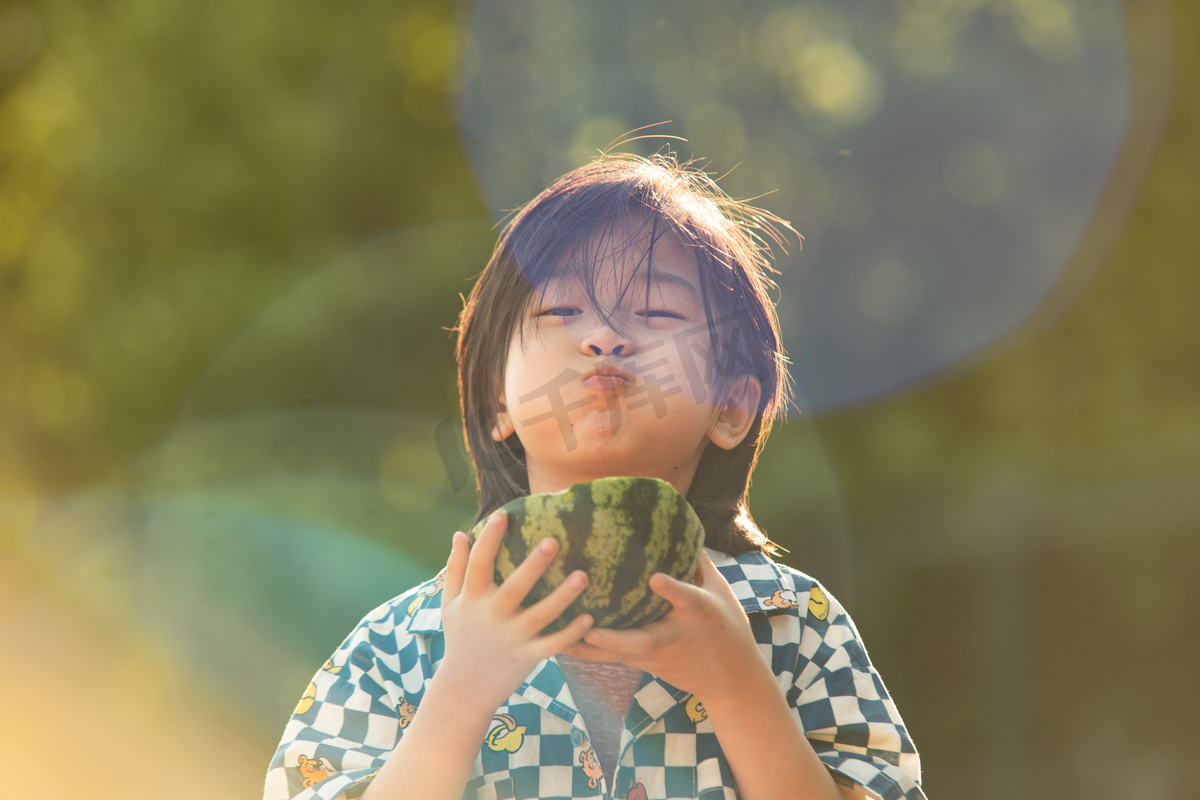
(682, 596)
(551, 607)
(624, 645)
(588, 652)
(517, 585)
(456, 566)
(569, 636)
(481, 566)
(711, 579)
(707, 572)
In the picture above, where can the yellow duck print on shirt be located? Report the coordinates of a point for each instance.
(695, 710)
(306, 699)
(429, 591)
(818, 603)
(507, 736)
(310, 694)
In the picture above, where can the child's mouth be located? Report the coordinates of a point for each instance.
(606, 379)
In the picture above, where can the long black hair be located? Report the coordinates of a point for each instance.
(641, 199)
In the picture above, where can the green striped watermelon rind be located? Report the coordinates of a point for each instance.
(620, 531)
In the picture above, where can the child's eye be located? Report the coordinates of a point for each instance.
(559, 311)
(658, 313)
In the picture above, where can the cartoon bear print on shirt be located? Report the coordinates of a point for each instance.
(587, 758)
(314, 770)
(591, 766)
(406, 710)
(782, 598)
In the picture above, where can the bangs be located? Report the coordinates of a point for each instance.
(614, 259)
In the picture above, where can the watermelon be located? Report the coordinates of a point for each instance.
(620, 531)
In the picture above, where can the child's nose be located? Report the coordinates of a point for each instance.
(604, 341)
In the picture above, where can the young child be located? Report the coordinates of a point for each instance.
(622, 327)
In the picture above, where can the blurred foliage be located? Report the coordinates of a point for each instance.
(233, 238)
(168, 170)
(941, 158)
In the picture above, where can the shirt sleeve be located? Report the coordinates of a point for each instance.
(348, 720)
(847, 714)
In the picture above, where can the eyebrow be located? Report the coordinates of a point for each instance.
(656, 277)
(673, 280)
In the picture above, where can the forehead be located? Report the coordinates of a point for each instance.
(616, 257)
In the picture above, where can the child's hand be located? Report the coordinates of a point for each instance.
(492, 641)
(701, 646)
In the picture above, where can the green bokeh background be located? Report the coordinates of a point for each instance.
(233, 237)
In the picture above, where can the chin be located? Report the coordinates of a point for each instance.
(574, 469)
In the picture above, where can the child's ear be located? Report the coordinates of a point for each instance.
(504, 426)
(737, 413)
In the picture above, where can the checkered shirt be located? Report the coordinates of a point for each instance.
(357, 706)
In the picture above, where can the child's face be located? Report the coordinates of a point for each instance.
(589, 401)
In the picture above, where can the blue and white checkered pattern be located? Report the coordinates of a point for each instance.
(359, 703)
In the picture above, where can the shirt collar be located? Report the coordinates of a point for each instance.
(757, 582)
